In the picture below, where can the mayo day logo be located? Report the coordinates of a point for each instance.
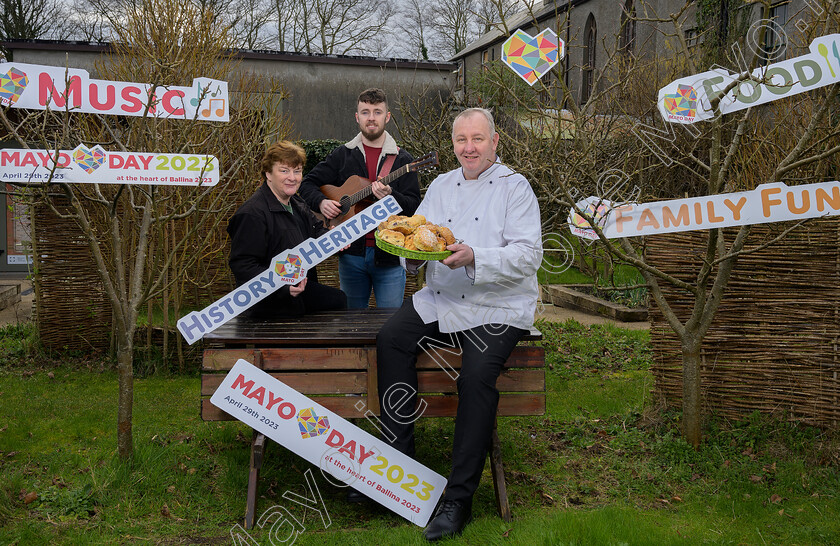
(290, 269)
(88, 160)
(594, 210)
(12, 84)
(682, 105)
(311, 425)
(532, 56)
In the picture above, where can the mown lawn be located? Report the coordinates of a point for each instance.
(605, 465)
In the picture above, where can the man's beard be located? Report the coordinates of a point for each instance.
(378, 132)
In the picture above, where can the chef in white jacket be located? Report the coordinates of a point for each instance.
(480, 300)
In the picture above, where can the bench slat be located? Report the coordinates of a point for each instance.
(438, 406)
(347, 358)
(433, 381)
(304, 382)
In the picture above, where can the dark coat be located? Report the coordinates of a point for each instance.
(260, 230)
(348, 160)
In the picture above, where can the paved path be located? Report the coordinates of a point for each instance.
(561, 314)
(22, 310)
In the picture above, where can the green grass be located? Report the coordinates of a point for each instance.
(605, 465)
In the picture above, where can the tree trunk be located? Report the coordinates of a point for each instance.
(691, 391)
(125, 368)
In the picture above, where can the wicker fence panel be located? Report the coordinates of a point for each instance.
(71, 310)
(773, 346)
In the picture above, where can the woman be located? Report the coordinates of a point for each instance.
(272, 220)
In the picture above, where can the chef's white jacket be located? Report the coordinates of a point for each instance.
(498, 216)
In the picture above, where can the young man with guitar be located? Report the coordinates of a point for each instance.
(350, 172)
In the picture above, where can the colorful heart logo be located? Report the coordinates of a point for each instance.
(311, 425)
(595, 213)
(12, 84)
(289, 269)
(531, 57)
(683, 102)
(88, 160)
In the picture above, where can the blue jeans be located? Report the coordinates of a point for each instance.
(358, 273)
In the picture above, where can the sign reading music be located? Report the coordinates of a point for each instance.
(39, 87)
(288, 267)
(774, 202)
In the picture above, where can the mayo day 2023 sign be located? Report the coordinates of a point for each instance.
(95, 165)
(767, 203)
(288, 267)
(351, 455)
(38, 87)
(689, 99)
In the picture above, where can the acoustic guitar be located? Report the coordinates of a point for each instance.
(355, 194)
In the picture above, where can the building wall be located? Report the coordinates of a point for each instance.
(607, 13)
(323, 89)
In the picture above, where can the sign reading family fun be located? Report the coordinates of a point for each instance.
(532, 56)
(95, 165)
(341, 449)
(40, 87)
(689, 99)
(288, 267)
(767, 203)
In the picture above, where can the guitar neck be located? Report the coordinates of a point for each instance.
(365, 192)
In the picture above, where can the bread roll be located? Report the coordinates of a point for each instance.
(446, 233)
(392, 237)
(427, 241)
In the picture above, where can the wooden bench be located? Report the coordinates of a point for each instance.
(331, 357)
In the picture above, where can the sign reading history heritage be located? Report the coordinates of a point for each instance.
(288, 267)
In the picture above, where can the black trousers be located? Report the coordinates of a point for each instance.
(484, 351)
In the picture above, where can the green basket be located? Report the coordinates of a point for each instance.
(413, 254)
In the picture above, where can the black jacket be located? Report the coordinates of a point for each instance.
(260, 230)
(348, 160)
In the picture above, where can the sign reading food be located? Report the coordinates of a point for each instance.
(288, 267)
(39, 87)
(767, 203)
(414, 234)
(339, 448)
(95, 165)
(689, 99)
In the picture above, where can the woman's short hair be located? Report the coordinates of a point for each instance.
(284, 152)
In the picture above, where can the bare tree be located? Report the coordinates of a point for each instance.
(165, 42)
(250, 21)
(32, 19)
(414, 23)
(567, 155)
(456, 24)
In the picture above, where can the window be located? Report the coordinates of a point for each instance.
(774, 35)
(588, 66)
(627, 38)
(485, 58)
(690, 35)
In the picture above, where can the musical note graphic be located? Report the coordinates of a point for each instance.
(220, 111)
(197, 99)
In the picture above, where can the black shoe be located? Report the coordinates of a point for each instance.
(355, 496)
(450, 519)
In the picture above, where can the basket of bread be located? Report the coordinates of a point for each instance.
(413, 237)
